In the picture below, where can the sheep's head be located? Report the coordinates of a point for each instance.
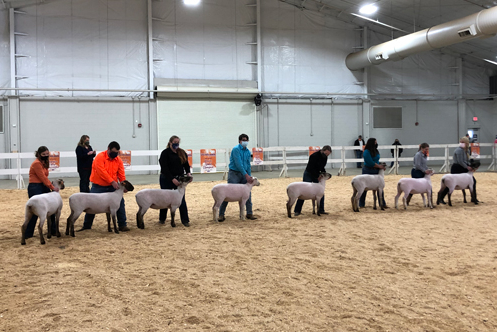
(431, 171)
(255, 182)
(185, 179)
(127, 186)
(475, 164)
(324, 175)
(59, 183)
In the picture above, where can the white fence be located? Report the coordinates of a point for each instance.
(280, 156)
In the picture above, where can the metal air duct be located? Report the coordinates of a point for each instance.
(480, 25)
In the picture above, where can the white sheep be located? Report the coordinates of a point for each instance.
(415, 186)
(44, 206)
(232, 192)
(457, 182)
(374, 182)
(94, 203)
(305, 191)
(160, 199)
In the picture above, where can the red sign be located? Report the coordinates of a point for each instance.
(475, 150)
(258, 154)
(313, 149)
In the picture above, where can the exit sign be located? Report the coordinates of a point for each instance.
(475, 118)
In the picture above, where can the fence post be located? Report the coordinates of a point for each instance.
(342, 170)
(19, 178)
(285, 167)
(226, 161)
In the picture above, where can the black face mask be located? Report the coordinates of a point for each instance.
(376, 146)
(87, 143)
(44, 158)
(113, 154)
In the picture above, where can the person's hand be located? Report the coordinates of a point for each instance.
(175, 182)
(114, 185)
(90, 153)
(249, 178)
(56, 189)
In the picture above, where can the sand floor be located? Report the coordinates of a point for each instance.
(392, 270)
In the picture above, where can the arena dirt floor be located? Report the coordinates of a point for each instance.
(392, 270)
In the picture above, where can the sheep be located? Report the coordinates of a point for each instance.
(457, 181)
(307, 190)
(44, 206)
(415, 186)
(93, 203)
(160, 199)
(374, 182)
(232, 192)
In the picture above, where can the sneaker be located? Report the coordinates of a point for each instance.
(250, 217)
(186, 224)
(124, 229)
(221, 219)
(295, 214)
(162, 222)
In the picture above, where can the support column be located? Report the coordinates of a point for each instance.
(13, 124)
(366, 124)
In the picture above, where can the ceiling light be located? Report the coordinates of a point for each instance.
(490, 61)
(191, 2)
(368, 9)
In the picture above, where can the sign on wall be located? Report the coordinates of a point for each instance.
(54, 160)
(125, 156)
(189, 154)
(475, 150)
(258, 155)
(313, 149)
(207, 160)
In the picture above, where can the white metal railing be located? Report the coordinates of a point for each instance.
(282, 159)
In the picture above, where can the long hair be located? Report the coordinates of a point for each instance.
(38, 153)
(181, 153)
(370, 145)
(82, 140)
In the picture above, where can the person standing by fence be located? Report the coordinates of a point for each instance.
(84, 157)
(400, 150)
(358, 152)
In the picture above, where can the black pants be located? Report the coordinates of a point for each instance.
(33, 190)
(458, 169)
(183, 209)
(84, 180)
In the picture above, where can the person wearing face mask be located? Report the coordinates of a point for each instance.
(315, 165)
(460, 165)
(371, 166)
(84, 156)
(173, 163)
(39, 184)
(107, 170)
(396, 142)
(239, 172)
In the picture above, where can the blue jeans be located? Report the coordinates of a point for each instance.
(183, 209)
(121, 212)
(300, 203)
(358, 154)
(373, 171)
(33, 190)
(236, 177)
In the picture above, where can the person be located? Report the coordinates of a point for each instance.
(371, 166)
(460, 165)
(106, 171)
(495, 142)
(396, 142)
(358, 152)
(40, 184)
(420, 167)
(84, 157)
(173, 163)
(239, 172)
(315, 165)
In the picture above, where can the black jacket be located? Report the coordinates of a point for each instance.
(316, 164)
(393, 150)
(84, 160)
(171, 166)
(356, 143)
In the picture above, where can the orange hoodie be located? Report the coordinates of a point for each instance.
(105, 170)
(39, 174)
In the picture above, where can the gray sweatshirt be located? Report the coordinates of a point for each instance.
(420, 161)
(460, 157)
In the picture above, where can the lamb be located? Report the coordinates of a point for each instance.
(460, 182)
(160, 199)
(44, 206)
(107, 203)
(232, 192)
(374, 182)
(307, 190)
(415, 186)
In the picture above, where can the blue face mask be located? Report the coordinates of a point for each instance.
(245, 144)
(175, 146)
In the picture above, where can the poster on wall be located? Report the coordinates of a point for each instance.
(189, 154)
(313, 149)
(208, 160)
(258, 155)
(54, 161)
(125, 156)
(475, 150)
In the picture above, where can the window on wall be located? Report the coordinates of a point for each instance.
(387, 117)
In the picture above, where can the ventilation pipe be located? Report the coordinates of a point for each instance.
(479, 25)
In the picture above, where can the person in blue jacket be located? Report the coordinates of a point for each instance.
(84, 157)
(239, 172)
(371, 166)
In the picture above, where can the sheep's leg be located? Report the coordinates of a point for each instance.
(399, 191)
(49, 226)
(374, 200)
(318, 203)
(464, 196)
(116, 230)
(57, 219)
(108, 222)
(242, 209)
(215, 211)
(357, 198)
(68, 224)
(289, 205)
(430, 198)
(139, 217)
(450, 202)
(424, 201)
(40, 229)
(173, 212)
(71, 220)
(314, 206)
(381, 201)
(27, 218)
(404, 201)
(353, 200)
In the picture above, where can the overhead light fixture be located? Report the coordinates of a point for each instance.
(191, 2)
(368, 9)
(490, 61)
